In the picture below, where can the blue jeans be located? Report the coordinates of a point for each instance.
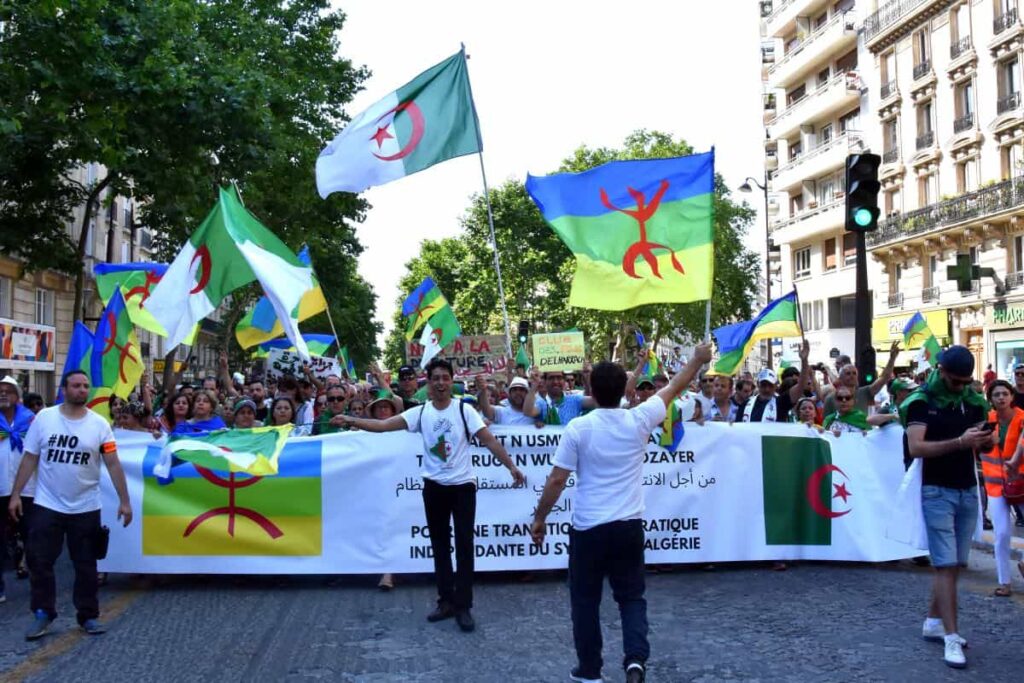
(950, 516)
(615, 550)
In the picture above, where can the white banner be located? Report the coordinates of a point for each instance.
(351, 503)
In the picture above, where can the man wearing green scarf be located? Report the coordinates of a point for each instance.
(945, 422)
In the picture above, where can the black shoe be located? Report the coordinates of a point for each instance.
(443, 611)
(578, 677)
(465, 620)
(635, 672)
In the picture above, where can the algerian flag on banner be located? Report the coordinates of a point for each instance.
(799, 494)
(428, 120)
(229, 250)
(253, 451)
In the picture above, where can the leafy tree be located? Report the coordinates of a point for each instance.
(174, 98)
(537, 267)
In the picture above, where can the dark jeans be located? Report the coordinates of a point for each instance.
(442, 504)
(8, 527)
(615, 550)
(45, 543)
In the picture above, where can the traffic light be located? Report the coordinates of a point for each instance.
(867, 370)
(524, 331)
(862, 188)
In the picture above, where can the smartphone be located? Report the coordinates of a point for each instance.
(988, 427)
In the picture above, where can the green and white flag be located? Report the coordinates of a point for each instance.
(441, 330)
(254, 451)
(428, 120)
(229, 250)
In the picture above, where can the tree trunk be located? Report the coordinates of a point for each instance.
(79, 307)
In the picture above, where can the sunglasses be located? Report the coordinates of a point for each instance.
(335, 399)
(406, 378)
(844, 398)
(1018, 373)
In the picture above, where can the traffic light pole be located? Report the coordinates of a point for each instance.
(862, 313)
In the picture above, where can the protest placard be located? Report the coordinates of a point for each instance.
(559, 351)
(470, 355)
(282, 362)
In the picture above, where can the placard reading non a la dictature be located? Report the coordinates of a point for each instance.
(559, 351)
(351, 503)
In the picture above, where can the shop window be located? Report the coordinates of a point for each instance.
(802, 262)
(829, 259)
(849, 249)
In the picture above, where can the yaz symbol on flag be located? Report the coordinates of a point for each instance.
(643, 247)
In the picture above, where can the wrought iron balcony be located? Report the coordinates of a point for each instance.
(994, 199)
(922, 69)
(1004, 21)
(959, 47)
(1008, 103)
(889, 14)
(896, 300)
(930, 294)
(926, 140)
(1014, 280)
(891, 155)
(963, 123)
(888, 88)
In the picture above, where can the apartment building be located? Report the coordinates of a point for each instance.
(36, 316)
(814, 114)
(944, 86)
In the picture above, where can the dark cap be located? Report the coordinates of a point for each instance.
(406, 372)
(644, 380)
(957, 360)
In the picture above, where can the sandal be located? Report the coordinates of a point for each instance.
(1003, 591)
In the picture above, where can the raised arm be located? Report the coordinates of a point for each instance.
(395, 423)
(635, 377)
(679, 381)
(482, 398)
(223, 376)
(797, 390)
(530, 404)
(883, 379)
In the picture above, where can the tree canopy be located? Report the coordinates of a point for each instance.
(537, 267)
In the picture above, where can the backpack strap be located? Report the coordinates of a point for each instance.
(462, 413)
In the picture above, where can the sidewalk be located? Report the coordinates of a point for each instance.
(988, 540)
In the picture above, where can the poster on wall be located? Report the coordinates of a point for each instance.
(25, 346)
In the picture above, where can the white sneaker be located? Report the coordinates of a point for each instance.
(937, 634)
(954, 656)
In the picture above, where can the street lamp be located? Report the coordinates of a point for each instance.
(745, 187)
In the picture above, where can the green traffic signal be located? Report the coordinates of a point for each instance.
(862, 217)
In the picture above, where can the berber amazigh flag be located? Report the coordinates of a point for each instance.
(917, 333)
(428, 120)
(253, 451)
(420, 305)
(641, 230)
(780, 318)
(230, 249)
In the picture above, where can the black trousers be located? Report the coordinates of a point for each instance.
(8, 529)
(47, 531)
(443, 505)
(614, 550)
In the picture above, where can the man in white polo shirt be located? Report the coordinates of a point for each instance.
(606, 450)
(64, 446)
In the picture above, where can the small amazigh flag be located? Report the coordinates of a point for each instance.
(917, 333)
(441, 330)
(316, 343)
(778, 319)
(230, 249)
(136, 281)
(418, 307)
(428, 120)
(116, 358)
(672, 430)
(261, 324)
(253, 451)
(346, 362)
(641, 230)
(801, 496)
(653, 365)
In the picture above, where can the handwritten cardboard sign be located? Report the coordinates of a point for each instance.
(470, 355)
(282, 362)
(559, 351)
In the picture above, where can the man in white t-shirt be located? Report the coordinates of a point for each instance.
(63, 448)
(512, 414)
(606, 450)
(14, 423)
(449, 486)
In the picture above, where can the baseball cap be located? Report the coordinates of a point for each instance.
(644, 380)
(767, 375)
(13, 382)
(957, 360)
(902, 384)
(406, 372)
(244, 403)
(520, 383)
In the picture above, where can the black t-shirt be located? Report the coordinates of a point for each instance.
(408, 403)
(954, 470)
(783, 404)
(1018, 400)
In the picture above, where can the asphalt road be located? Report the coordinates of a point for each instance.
(816, 622)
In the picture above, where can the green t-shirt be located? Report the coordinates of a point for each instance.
(323, 424)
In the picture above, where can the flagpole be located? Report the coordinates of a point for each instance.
(330, 320)
(799, 315)
(490, 212)
(707, 323)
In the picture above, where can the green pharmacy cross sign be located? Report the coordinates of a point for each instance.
(965, 272)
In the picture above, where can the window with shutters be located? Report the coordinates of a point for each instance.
(829, 259)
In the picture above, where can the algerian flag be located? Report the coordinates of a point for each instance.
(800, 499)
(229, 250)
(428, 340)
(426, 121)
(442, 329)
(253, 451)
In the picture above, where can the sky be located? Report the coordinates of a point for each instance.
(546, 78)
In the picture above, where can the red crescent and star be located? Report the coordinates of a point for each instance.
(203, 254)
(814, 488)
(382, 134)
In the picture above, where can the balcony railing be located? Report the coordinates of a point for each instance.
(795, 49)
(840, 141)
(1004, 21)
(888, 88)
(1014, 280)
(959, 47)
(896, 300)
(889, 14)
(891, 155)
(1008, 103)
(926, 140)
(930, 294)
(1003, 196)
(921, 69)
(776, 8)
(963, 123)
